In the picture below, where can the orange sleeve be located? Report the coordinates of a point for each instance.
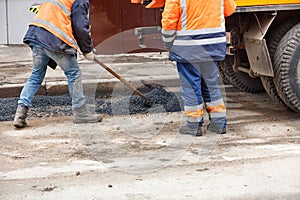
(171, 15)
(229, 7)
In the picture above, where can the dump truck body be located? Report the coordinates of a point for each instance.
(263, 51)
(240, 3)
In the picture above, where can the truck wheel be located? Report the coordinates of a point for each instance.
(273, 40)
(239, 79)
(287, 68)
(222, 73)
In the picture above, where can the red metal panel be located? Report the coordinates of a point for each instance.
(113, 24)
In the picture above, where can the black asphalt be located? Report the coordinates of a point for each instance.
(52, 106)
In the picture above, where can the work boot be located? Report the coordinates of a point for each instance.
(190, 130)
(215, 129)
(83, 115)
(20, 116)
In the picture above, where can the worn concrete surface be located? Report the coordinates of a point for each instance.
(144, 156)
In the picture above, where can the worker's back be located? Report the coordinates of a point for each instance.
(194, 30)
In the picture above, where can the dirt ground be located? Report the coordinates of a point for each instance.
(144, 156)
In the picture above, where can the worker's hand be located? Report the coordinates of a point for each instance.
(89, 56)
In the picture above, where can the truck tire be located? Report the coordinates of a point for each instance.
(287, 68)
(273, 40)
(239, 79)
(222, 73)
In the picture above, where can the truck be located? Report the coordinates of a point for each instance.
(263, 48)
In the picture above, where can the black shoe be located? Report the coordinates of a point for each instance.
(215, 129)
(185, 129)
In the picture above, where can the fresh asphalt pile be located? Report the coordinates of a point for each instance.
(53, 106)
(43, 106)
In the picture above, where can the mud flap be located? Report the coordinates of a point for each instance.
(256, 47)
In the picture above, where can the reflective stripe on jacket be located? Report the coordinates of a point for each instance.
(194, 30)
(55, 17)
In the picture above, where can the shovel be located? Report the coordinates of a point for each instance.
(146, 100)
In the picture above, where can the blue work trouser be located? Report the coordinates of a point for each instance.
(199, 85)
(68, 64)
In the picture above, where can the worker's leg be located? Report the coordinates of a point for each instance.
(39, 66)
(69, 64)
(191, 95)
(212, 97)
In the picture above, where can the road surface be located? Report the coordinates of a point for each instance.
(143, 156)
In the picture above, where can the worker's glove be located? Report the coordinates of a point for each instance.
(89, 56)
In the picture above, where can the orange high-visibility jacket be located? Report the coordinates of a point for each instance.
(194, 30)
(54, 16)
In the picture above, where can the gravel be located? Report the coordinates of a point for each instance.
(53, 106)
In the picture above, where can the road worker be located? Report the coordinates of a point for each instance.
(194, 33)
(58, 30)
